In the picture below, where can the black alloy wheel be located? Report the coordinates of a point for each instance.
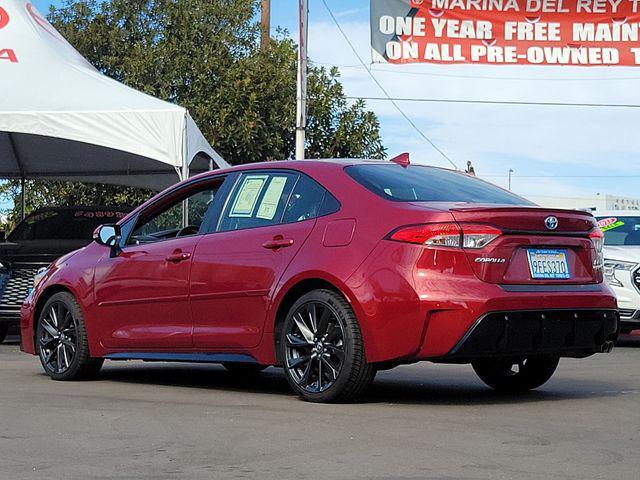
(61, 340)
(315, 347)
(57, 338)
(323, 350)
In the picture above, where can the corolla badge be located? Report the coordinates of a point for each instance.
(490, 260)
(551, 222)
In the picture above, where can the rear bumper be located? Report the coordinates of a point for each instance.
(422, 306)
(566, 333)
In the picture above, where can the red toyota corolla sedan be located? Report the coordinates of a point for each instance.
(333, 270)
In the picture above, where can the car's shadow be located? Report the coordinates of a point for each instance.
(432, 385)
(399, 386)
(629, 341)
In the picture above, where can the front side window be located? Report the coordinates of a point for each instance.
(429, 184)
(167, 221)
(619, 231)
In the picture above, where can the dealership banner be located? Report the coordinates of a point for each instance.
(507, 32)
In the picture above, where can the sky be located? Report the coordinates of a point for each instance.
(553, 151)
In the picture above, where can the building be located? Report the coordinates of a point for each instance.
(594, 203)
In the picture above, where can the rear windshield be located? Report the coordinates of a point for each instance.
(428, 184)
(73, 224)
(620, 230)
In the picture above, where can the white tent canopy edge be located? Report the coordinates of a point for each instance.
(62, 119)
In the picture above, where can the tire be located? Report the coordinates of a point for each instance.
(61, 340)
(244, 368)
(531, 373)
(4, 329)
(322, 349)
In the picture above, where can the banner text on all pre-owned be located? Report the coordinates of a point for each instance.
(507, 32)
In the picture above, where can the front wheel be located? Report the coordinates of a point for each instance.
(323, 351)
(62, 342)
(521, 375)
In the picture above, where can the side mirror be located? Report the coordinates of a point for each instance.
(109, 236)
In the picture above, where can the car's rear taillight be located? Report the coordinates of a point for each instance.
(432, 234)
(479, 236)
(597, 238)
(470, 236)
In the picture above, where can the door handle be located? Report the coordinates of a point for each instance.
(177, 257)
(277, 243)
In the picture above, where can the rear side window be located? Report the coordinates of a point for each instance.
(259, 200)
(308, 200)
(429, 184)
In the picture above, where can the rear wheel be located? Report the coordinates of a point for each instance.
(323, 351)
(3, 332)
(244, 368)
(521, 375)
(61, 340)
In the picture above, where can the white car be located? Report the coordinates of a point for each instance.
(622, 262)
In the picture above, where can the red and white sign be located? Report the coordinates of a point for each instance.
(605, 222)
(507, 32)
(4, 18)
(6, 54)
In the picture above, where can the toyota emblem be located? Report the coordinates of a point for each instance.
(551, 223)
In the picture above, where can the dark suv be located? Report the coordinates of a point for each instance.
(39, 239)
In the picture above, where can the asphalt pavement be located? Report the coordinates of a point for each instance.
(424, 421)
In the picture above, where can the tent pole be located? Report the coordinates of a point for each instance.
(23, 182)
(23, 198)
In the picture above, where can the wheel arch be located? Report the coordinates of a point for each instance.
(295, 289)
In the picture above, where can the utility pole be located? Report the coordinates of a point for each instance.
(510, 173)
(301, 114)
(265, 25)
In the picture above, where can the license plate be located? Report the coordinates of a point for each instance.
(548, 264)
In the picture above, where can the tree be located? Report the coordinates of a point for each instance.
(205, 56)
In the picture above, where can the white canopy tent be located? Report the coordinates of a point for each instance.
(62, 119)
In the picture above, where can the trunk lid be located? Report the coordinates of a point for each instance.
(528, 234)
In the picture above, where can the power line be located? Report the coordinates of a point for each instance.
(561, 176)
(387, 96)
(494, 102)
(486, 77)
